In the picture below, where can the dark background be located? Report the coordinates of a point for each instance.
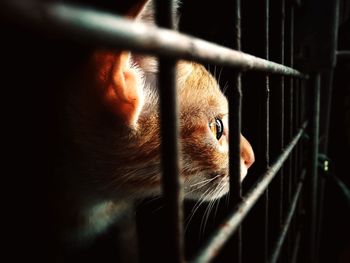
(33, 67)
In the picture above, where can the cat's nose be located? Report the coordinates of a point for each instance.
(247, 153)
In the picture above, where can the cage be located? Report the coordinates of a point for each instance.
(281, 62)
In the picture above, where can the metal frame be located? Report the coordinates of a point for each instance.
(111, 31)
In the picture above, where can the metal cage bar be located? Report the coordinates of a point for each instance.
(289, 120)
(171, 183)
(266, 122)
(343, 54)
(315, 115)
(282, 109)
(92, 27)
(235, 102)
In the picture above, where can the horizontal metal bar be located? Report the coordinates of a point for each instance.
(286, 223)
(222, 234)
(343, 53)
(93, 27)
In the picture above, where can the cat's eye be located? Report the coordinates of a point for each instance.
(217, 128)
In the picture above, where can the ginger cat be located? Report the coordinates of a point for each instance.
(113, 141)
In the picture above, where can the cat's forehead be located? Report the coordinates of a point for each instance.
(198, 86)
(196, 74)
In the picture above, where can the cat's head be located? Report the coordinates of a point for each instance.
(205, 134)
(127, 91)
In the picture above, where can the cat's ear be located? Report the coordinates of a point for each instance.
(146, 14)
(119, 85)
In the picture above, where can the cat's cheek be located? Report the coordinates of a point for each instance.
(223, 144)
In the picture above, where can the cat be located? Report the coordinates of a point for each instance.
(112, 141)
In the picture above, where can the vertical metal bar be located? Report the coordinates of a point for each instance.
(296, 172)
(235, 100)
(266, 117)
(294, 121)
(301, 117)
(276, 115)
(296, 125)
(291, 96)
(290, 128)
(315, 115)
(171, 182)
(281, 137)
(326, 102)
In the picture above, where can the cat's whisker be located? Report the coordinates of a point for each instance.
(219, 193)
(204, 220)
(215, 192)
(207, 213)
(199, 202)
(227, 199)
(195, 208)
(224, 89)
(201, 199)
(206, 180)
(217, 205)
(222, 190)
(220, 74)
(201, 228)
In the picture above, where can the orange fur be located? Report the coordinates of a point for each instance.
(113, 138)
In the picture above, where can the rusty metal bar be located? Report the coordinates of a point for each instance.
(302, 102)
(221, 235)
(343, 53)
(314, 152)
(266, 141)
(171, 182)
(290, 96)
(91, 27)
(235, 102)
(289, 122)
(286, 223)
(281, 131)
(295, 124)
